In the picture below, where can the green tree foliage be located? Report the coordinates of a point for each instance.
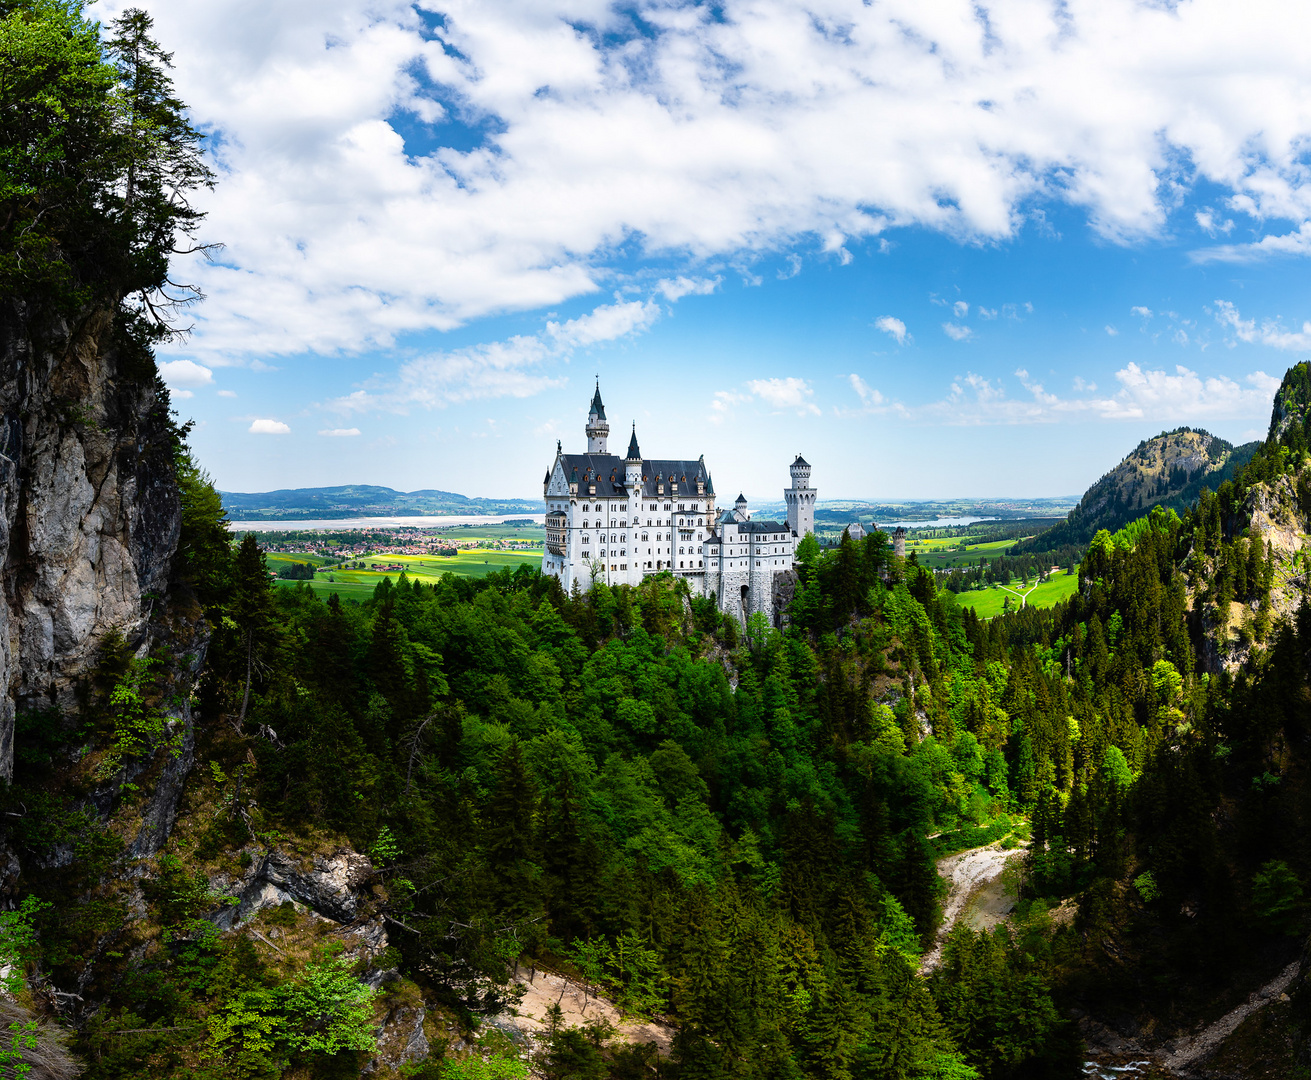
(97, 165)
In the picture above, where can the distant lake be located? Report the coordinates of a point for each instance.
(339, 524)
(936, 523)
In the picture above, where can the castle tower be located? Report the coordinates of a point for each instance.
(899, 543)
(633, 464)
(740, 508)
(597, 427)
(800, 499)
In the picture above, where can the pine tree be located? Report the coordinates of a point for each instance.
(252, 611)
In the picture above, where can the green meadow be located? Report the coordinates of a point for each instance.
(943, 554)
(359, 584)
(989, 602)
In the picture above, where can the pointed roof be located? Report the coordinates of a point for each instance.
(800, 461)
(634, 454)
(597, 407)
(741, 499)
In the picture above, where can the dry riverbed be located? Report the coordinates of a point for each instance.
(979, 892)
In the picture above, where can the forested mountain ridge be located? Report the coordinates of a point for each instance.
(1168, 470)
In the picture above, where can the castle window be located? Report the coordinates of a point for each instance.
(587, 554)
(698, 562)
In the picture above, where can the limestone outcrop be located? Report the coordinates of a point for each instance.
(89, 508)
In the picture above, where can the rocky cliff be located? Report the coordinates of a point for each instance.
(1168, 470)
(89, 508)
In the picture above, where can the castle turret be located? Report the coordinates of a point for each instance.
(633, 463)
(740, 508)
(597, 427)
(800, 499)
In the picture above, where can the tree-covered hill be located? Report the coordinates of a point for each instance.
(362, 500)
(1169, 470)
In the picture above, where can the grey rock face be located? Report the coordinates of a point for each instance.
(89, 510)
(328, 886)
(401, 1039)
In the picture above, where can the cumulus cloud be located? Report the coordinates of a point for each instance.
(185, 373)
(892, 326)
(1297, 242)
(591, 131)
(1141, 312)
(960, 309)
(1271, 332)
(956, 332)
(515, 367)
(606, 323)
(269, 427)
(789, 393)
(676, 288)
(1182, 396)
(341, 433)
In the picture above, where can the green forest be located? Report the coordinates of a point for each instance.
(727, 830)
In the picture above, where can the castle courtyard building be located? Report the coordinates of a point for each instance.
(619, 520)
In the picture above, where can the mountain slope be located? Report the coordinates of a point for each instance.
(1169, 470)
(1292, 401)
(363, 500)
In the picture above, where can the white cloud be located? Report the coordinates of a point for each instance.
(960, 309)
(1112, 331)
(867, 394)
(789, 393)
(1207, 222)
(693, 132)
(891, 325)
(515, 367)
(227, 393)
(179, 373)
(605, 323)
(269, 427)
(1271, 332)
(1159, 396)
(1141, 312)
(1293, 243)
(794, 267)
(1081, 385)
(341, 433)
(957, 333)
(987, 313)
(676, 288)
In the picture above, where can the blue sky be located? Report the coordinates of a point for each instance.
(942, 250)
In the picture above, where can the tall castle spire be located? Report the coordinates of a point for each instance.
(597, 427)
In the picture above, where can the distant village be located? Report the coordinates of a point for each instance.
(358, 544)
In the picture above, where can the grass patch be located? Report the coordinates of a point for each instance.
(359, 584)
(988, 603)
(973, 836)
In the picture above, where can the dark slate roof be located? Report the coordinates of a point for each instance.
(755, 526)
(801, 461)
(634, 454)
(597, 407)
(654, 471)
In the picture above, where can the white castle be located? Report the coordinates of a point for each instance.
(619, 520)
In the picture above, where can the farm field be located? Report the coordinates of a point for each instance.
(988, 602)
(359, 584)
(943, 554)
